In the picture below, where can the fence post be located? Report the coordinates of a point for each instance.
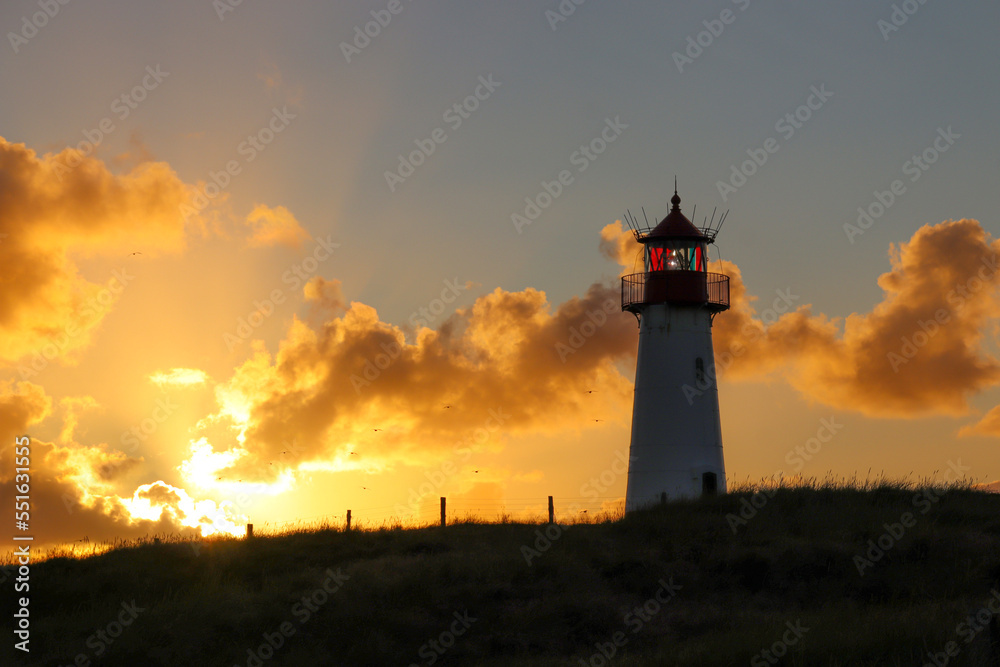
(663, 498)
(249, 530)
(442, 511)
(552, 512)
(348, 519)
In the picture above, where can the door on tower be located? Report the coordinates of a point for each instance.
(709, 484)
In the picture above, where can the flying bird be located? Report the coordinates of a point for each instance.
(446, 407)
(134, 253)
(598, 420)
(376, 429)
(590, 391)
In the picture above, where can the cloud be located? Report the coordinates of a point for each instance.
(137, 153)
(619, 245)
(988, 425)
(274, 226)
(325, 294)
(55, 209)
(918, 352)
(179, 377)
(76, 486)
(509, 360)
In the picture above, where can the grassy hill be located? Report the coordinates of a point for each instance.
(891, 574)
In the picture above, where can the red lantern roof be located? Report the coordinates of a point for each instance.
(675, 224)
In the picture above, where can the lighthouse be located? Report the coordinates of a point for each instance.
(676, 448)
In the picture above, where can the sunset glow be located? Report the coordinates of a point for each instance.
(284, 282)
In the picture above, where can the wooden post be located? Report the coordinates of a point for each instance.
(442, 511)
(249, 530)
(552, 512)
(348, 519)
(663, 498)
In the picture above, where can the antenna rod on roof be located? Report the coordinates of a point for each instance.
(710, 225)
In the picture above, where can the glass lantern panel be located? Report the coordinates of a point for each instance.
(676, 256)
(654, 258)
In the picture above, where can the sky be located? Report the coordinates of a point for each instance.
(267, 262)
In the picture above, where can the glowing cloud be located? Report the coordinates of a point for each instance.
(179, 377)
(988, 425)
(274, 226)
(57, 207)
(919, 351)
(354, 383)
(161, 502)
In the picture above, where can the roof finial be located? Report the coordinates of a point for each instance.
(675, 200)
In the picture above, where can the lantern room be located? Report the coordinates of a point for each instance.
(675, 258)
(675, 244)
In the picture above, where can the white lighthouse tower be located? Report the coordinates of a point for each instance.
(676, 449)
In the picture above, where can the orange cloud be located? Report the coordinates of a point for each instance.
(55, 209)
(179, 377)
(75, 486)
(619, 245)
(988, 425)
(508, 361)
(274, 226)
(919, 351)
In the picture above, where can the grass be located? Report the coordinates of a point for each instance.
(793, 561)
